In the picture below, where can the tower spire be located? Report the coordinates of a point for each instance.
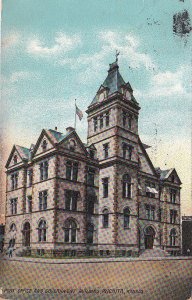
(116, 55)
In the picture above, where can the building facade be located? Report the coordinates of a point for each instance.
(103, 198)
(187, 235)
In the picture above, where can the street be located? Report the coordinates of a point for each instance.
(163, 279)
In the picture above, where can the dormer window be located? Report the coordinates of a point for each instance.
(15, 159)
(44, 145)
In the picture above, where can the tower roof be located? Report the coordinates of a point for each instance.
(114, 80)
(113, 83)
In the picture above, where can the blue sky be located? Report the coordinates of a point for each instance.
(57, 50)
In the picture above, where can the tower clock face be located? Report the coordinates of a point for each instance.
(101, 97)
(128, 95)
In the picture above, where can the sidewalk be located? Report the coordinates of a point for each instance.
(89, 260)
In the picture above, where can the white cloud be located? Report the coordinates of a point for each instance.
(63, 43)
(10, 40)
(128, 45)
(91, 65)
(18, 76)
(168, 83)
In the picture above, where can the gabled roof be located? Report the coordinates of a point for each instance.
(23, 152)
(113, 83)
(164, 174)
(143, 147)
(56, 136)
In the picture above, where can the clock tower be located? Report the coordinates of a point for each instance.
(113, 130)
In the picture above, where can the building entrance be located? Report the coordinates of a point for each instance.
(26, 234)
(149, 237)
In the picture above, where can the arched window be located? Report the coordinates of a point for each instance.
(72, 145)
(126, 214)
(105, 218)
(126, 186)
(13, 227)
(90, 231)
(70, 231)
(173, 234)
(44, 145)
(15, 159)
(42, 231)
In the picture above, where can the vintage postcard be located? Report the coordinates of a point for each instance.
(96, 150)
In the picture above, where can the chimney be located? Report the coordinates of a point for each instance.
(69, 129)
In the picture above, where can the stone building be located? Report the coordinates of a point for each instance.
(101, 198)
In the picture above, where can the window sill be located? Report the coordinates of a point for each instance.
(70, 243)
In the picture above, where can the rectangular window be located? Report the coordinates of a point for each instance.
(172, 196)
(29, 200)
(124, 118)
(173, 216)
(90, 208)
(106, 150)
(71, 170)
(127, 151)
(68, 199)
(13, 206)
(106, 220)
(105, 187)
(68, 170)
(124, 151)
(43, 170)
(150, 212)
(90, 176)
(101, 121)
(152, 217)
(107, 119)
(147, 212)
(30, 177)
(14, 181)
(71, 200)
(95, 123)
(129, 122)
(43, 200)
(130, 149)
(75, 171)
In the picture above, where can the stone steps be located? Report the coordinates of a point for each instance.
(156, 252)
